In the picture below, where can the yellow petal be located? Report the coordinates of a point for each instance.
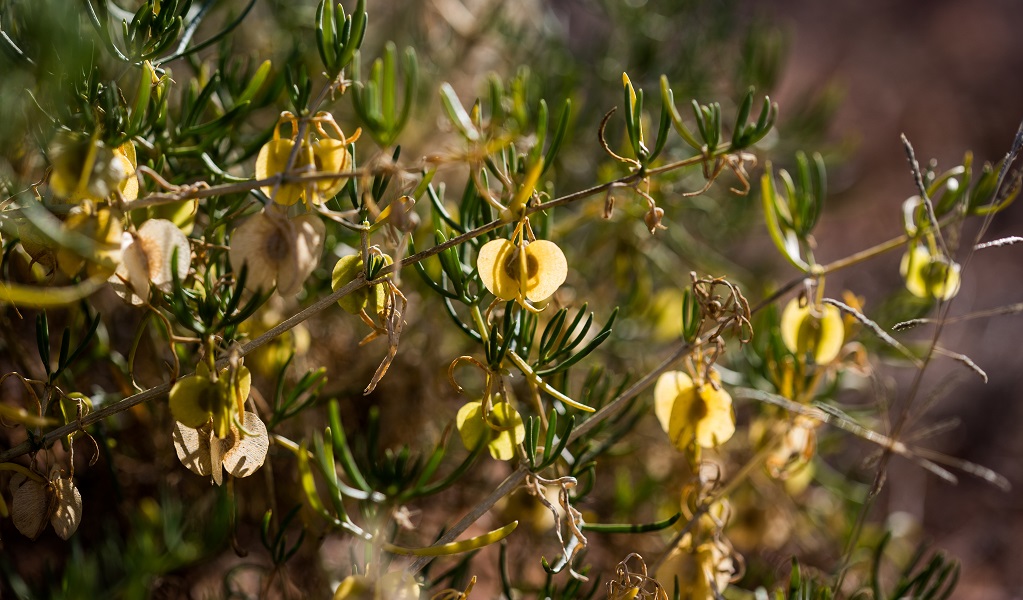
(240, 393)
(817, 332)
(107, 234)
(469, 422)
(192, 400)
(551, 270)
(718, 425)
(126, 155)
(272, 159)
(182, 214)
(373, 298)
(492, 265)
(102, 228)
(355, 587)
(670, 385)
(330, 156)
(702, 415)
(345, 272)
(929, 276)
(510, 433)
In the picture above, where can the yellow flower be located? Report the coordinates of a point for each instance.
(277, 250)
(528, 271)
(373, 297)
(693, 414)
(197, 398)
(240, 452)
(817, 332)
(55, 501)
(702, 572)
(85, 168)
(502, 428)
(928, 275)
(325, 155)
(101, 227)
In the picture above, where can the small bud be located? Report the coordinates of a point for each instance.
(653, 219)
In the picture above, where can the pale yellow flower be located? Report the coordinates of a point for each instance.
(325, 155)
(817, 332)
(104, 229)
(502, 428)
(702, 572)
(928, 275)
(692, 413)
(86, 168)
(530, 271)
(371, 297)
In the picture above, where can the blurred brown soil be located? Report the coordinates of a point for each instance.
(947, 75)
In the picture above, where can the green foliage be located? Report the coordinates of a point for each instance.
(492, 189)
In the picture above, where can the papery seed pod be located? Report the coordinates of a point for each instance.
(34, 503)
(147, 259)
(240, 452)
(38, 247)
(67, 513)
(31, 503)
(277, 250)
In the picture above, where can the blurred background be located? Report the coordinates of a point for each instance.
(947, 75)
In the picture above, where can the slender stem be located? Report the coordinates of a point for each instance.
(864, 255)
(507, 486)
(516, 478)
